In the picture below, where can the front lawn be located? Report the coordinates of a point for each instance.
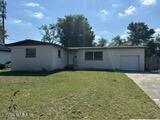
(72, 95)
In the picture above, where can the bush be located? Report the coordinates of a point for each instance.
(2, 66)
(8, 64)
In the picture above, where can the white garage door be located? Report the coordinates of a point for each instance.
(129, 62)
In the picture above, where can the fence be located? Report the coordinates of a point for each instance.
(152, 64)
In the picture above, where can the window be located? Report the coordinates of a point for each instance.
(98, 56)
(94, 55)
(30, 52)
(59, 53)
(88, 55)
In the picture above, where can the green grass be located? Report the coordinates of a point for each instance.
(72, 95)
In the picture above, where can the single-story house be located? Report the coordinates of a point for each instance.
(31, 55)
(5, 54)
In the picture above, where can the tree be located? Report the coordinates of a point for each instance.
(49, 33)
(153, 47)
(75, 31)
(116, 41)
(139, 33)
(102, 42)
(3, 34)
(157, 39)
(151, 50)
(94, 44)
(157, 42)
(3, 12)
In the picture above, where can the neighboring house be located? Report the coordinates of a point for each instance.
(30, 55)
(5, 54)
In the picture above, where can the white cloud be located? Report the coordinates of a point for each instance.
(103, 14)
(124, 36)
(38, 15)
(157, 30)
(148, 2)
(17, 21)
(97, 37)
(32, 4)
(129, 11)
(20, 22)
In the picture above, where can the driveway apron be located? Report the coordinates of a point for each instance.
(149, 83)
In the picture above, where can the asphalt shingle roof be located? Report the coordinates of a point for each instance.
(29, 42)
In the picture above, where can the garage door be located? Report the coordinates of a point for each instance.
(129, 62)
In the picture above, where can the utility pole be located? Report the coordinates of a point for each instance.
(3, 12)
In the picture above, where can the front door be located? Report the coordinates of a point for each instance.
(72, 58)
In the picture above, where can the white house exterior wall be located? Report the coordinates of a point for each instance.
(111, 58)
(46, 59)
(58, 63)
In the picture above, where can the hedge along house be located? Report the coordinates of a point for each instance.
(30, 55)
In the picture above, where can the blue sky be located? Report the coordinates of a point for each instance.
(107, 17)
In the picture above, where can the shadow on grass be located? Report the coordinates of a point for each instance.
(46, 73)
(24, 73)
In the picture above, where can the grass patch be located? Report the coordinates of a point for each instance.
(94, 95)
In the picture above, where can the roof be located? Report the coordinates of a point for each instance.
(29, 42)
(4, 48)
(115, 47)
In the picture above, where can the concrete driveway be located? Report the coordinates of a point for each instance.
(149, 83)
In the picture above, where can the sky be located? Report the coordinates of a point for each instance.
(108, 18)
